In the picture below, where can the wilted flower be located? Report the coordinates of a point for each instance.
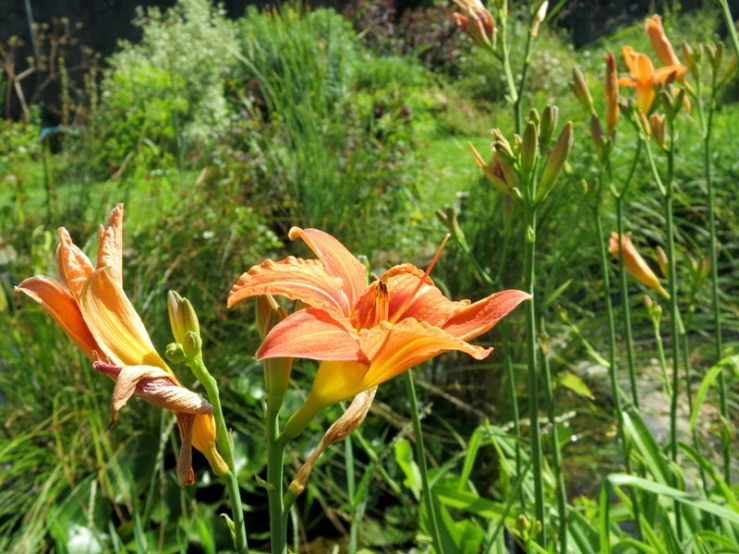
(476, 22)
(90, 305)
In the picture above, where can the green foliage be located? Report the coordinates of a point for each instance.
(167, 93)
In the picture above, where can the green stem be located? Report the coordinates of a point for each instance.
(675, 321)
(516, 417)
(422, 467)
(533, 377)
(275, 484)
(730, 24)
(351, 491)
(506, 60)
(225, 446)
(713, 244)
(561, 490)
(626, 302)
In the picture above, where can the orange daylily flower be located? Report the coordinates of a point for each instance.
(90, 305)
(644, 77)
(661, 44)
(634, 264)
(363, 334)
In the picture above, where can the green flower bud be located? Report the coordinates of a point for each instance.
(556, 161)
(529, 149)
(174, 353)
(192, 344)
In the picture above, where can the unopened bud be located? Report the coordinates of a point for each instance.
(540, 16)
(611, 92)
(192, 344)
(268, 314)
(718, 57)
(493, 172)
(548, 124)
(596, 131)
(687, 51)
(657, 127)
(182, 316)
(643, 123)
(579, 87)
(662, 260)
(476, 22)
(556, 162)
(174, 353)
(529, 149)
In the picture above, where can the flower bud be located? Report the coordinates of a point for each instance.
(182, 316)
(611, 93)
(268, 314)
(493, 172)
(556, 161)
(540, 16)
(580, 89)
(657, 128)
(476, 22)
(174, 353)
(548, 124)
(662, 260)
(596, 131)
(643, 123)
(192, 344)
(529, 149)
(687, 51)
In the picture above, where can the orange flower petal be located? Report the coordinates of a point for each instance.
(110, 244)
(664, 74)
(626, 82)
(114, 323)
(60, 305)
(478, 318)
(394, 348)
(628, 53)
(297, 279)
(337, 260)
(428, 303)
(643, 70)
(313, 334)
(645, 96)
(73, 265)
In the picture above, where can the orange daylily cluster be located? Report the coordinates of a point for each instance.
(644, 76)
(363, 334)
(90, 305)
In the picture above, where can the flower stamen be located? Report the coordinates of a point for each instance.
(398, 314)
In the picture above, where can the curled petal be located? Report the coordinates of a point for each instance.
(337, 260)
(295, 278)
(110, 244)
(626, 82)
(114, 323)
(185, 474)
(312, 333)
(60, 305)
(472, 321)
(73, 265)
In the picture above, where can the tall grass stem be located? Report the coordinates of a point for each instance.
(422, 466)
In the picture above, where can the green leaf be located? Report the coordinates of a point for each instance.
(575, 384)
(404, 458)
(639, 433)
(621, 480)
(469, 461)
(706, 383)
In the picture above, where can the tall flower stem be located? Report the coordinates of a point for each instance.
(713, 245)
(627, 325)
(675, 321)
(225, 446)
(625, 301)
(516, 415)
(518, 103)
(561, 490)
(422, 467)
(533, 376)
(275, 484)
